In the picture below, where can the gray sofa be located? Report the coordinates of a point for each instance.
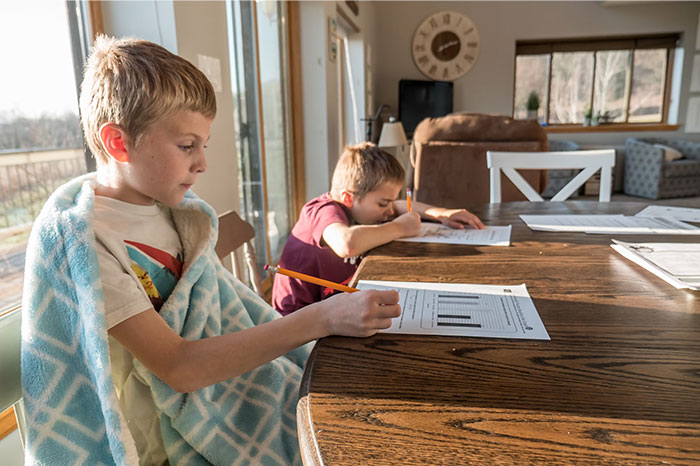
(648, 175)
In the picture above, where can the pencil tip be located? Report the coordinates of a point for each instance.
(267, 266)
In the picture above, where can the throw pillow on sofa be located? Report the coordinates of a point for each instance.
(670, 154)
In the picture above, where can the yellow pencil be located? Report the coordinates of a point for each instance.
(309, 278)
(408, 199)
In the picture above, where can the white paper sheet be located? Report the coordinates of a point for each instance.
(676, 263)
(439, 233)
(684, 214)
(610, 224)
(491, 311)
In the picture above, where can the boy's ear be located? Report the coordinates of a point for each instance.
(114, 142)
(346, 198)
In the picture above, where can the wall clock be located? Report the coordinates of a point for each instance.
(445, 46)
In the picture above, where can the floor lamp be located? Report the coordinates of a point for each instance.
(393, 140)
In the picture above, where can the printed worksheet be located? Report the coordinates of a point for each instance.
(610, 224)
(439, 233)
(685, 214)
(491, 311)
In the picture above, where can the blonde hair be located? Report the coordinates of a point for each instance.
(134, 83)
(362, 168)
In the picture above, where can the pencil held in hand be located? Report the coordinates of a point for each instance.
(310, 279)
(408, 199)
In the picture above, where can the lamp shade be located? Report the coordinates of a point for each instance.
(392, 134)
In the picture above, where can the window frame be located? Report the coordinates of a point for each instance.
(250, 127)
(668, 41)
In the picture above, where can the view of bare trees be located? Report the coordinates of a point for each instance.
(572, 78)
(622, 85)
(19, 132)
(612, 83)
(36, 156)
(648, 84)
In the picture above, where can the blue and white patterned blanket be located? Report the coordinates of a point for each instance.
(72, 410)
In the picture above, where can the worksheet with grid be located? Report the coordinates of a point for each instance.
(462, 309)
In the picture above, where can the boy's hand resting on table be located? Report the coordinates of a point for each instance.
(456, 218)
(409, 224)
(362, 313)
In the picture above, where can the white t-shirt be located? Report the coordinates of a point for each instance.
(140, 257)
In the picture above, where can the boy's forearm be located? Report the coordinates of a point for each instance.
(362, 238)
(212, 360)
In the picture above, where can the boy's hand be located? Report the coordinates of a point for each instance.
(362, 313)
(409, 224)
(456, 218)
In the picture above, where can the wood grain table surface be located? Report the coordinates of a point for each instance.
(619, 382)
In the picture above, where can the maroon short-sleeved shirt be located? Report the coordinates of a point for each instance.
(306, 252)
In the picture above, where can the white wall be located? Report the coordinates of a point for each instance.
(488, 86)
(201, 28)
(190, 28)
(319, 86)
(150, 20)
(317, 77)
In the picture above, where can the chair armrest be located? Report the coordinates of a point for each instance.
(642, 153)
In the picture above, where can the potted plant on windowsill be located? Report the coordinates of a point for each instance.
(532, 105)
(587, 116)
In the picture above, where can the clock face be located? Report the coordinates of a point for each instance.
(445, 46)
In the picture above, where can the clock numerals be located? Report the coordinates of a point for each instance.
(423, 60)
(433, 23)
(468, 31)
(445, 73)
(468, 58)
(419, 48)
(446, 18)
(459, 68)
(432, 70)
(424, 34)
(472, 45)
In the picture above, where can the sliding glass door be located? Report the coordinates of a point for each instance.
(258, 43)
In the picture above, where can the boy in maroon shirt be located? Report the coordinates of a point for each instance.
(359, 213)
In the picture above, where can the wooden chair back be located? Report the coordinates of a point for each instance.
(236, 236)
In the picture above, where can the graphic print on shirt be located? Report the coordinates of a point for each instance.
(157, 270)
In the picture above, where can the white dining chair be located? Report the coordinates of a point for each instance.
(590, 161)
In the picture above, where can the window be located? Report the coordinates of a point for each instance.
(260, 76)
(614, 81)
(41, 144)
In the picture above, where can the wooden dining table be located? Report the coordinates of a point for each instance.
(618, 383)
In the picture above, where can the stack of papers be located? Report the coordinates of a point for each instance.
(610, 224)
(676, 263)
(439, 233)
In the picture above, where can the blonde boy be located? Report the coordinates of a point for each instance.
(359, 213)
(138, 346)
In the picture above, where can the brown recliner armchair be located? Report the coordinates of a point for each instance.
(448, 157)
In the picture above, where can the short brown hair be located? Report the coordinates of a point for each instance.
(134, 83)
(363, 167)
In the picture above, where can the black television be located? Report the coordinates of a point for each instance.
(422, 99)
